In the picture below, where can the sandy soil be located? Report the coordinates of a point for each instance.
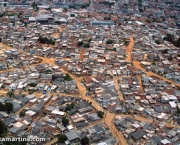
(115, 78)
(5, 46)
(129, 49)
(82, 54)
(140, 84)
(137, 64)
(56, 35)
(108, 116)
(151, 74)
(60, 29)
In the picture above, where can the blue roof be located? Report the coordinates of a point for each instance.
(107, 22)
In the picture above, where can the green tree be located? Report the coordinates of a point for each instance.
(10, 93)
(69, 107)
(80, 43)
(72, 15)
(62, 138)
(65, 9)
(32, 84)
(85, 141)
(157, 42)
(65, 121)
(2, 107)
(67, 77)
(22, 113)
(100, 114)
(165, 51)
(86, 45)
(109, 41)
(177, 110)
(126, 43)
(153, 63)
(8, 107)
(3, 128)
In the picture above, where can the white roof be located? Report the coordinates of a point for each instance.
(70, 127)
(102, 143)
(33, 100)
(141, 109)
(140, 23)
(58, 112)
(32, 19)
(161, 115)
(172, 97)
(101, 60)
(31, 113)
(165, 141)
(136, 125)
(18, 124)
(172, 104)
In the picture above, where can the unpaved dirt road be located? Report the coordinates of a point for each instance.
(109, 117)
(137, 64)
(118, 88)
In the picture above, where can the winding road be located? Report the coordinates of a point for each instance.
(108, 117)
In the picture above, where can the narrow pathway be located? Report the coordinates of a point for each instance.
(82, 54)
(137, 64)
(129, 49)
(109, 117)
(140, 84)
(118, 88)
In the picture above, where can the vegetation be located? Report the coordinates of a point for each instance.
(85, 141)
(45, 40)
(48, 9)
(80, 43)
(171, 38)
(65, 9)
(77, 6)
(157, 42)
(67, 77)
(109, 41)
(86, 45)
(3, 128)
(22, 113)
(31, 92)
(1, 15)
(177, 110)
(32, 84)
(62, 138)
(140, 5)
(170, 58)
(126, 43)
(72, 15)
(114, 49)
(47, 71)
(7, 107)
(10, 93)
(165, 51)
(14, 143)
(100, 114)
(65, 121)
(69, 107)
(107, 18)
(107, 3)
(89, 40)
(153, 63)
(35, 7)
